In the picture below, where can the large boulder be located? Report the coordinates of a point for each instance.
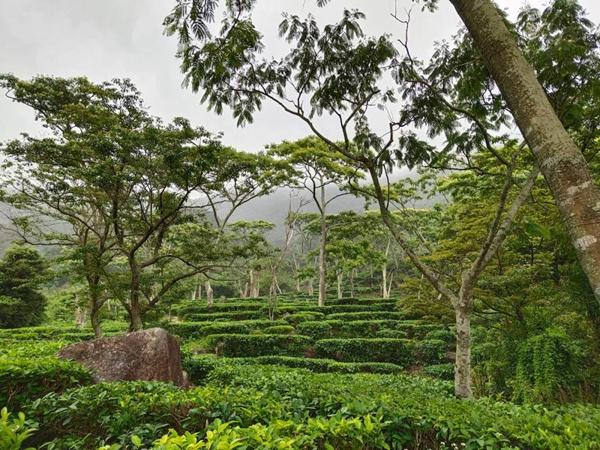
(151, 354)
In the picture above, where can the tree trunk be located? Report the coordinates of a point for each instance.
(323, 243)
(351, 276)
(209, 293)
(95, 319)
(384, 291)
(561, 162)
(340, 292)
(462, 374)
(254, 286)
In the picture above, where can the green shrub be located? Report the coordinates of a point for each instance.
(413, 412)
(316, 330)
(416, 329)
(368, 315)
(236, 345)
(13, 432)
(397, 351)
(364, 328)
(24, 380)
(227, 316)
(431, 351)
(185, 330)
(547, 364)
(295, 319)
(387, 333)
(280, 329)
(198, 366)
(323, 365)
(441, 371)
(445, 335)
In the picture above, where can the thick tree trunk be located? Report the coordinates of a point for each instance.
(560, 161)
(135, 307)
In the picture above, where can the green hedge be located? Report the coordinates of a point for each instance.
(24, 380)
(227, 316)
(431, 351)
(195, 307)
(417, 329)
(367, 315)
(242, 345)
(323, 365)
(441, 371)
(297, 318)
(317, 329)
(195, 330)
(279, 329)
(411, 412)
(397, 351)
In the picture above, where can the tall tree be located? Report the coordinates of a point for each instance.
(113, 181)
(339, 71)
(313, 167)
(22, 271)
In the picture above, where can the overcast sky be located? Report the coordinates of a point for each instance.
(124, 39)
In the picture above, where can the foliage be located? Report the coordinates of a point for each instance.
(22, 271)
(24, 380)
(441, 371)
(235, 345)
(397, 351)
(14, 431)
(547, 367)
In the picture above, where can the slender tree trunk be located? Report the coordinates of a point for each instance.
(351, 276)
(340, 291)
(209, 293)
(95, 320)
(561, 162)
(322, 274)
(311, 287)
(462, 374)
(384, 291)
(322, 245)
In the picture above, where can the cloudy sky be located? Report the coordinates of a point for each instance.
(124, 39)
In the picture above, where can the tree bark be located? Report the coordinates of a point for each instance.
(462, 373)
(209, 293)
(561, 162)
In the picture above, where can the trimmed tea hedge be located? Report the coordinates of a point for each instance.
(242, 345)
(24, 380)
(397, 351)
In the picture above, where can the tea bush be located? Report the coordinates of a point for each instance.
(297, 318)
(239, 345)
(397, 351)
(13, 432)
(431, 351)
(24, 380)
(408, 412)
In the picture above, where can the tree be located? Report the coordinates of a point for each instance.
(339, 70)
(113, 182)
(561, 162)
(313, 166)
(22, 271)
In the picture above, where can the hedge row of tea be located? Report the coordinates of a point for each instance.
(353, 335)
(267, 407)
